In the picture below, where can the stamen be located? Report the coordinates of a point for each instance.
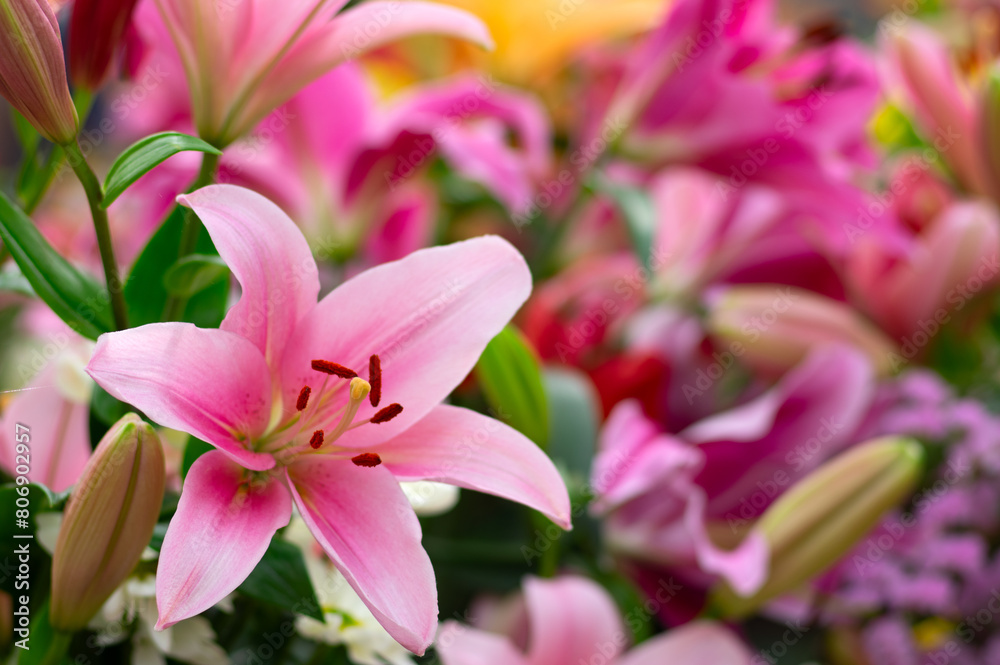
(367, 459)
(359, 391)
(303, 401)
(316, 440)
(375, 377)
(328, 367)
(387, 414)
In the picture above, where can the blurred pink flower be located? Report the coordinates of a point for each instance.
(925, 72)
(683, 503)
(292, 426)
(54, 407)
(806, 96)
(96, 35)
(244, 59)
(951, 259)
(572, 620)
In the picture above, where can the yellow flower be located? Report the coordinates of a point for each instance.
(535, 38)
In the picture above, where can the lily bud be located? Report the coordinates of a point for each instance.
(32, 73)
(820, 518)
(108, 522)
(777, 326)
(989, 138)
(96, 30)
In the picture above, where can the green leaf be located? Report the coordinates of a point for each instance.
(193, 274)
(107, 409)
(511, 379)
(145, 292)
(281, 579)
(145, 154)
(574, 414)
(193, 449)
(75, 297)
(639, 211)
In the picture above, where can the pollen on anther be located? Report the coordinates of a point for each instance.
(367, 459)
(375, 378)
(303, 401)
(387, 414)
(316, 440)
(328, 367)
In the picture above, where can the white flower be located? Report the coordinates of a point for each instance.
(348, 620)
(190, 641)
(429, 498)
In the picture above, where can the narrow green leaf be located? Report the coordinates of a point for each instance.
(193, 449)
(574, 411)
(75, 297)
(193, 274)
(145, 154)
(281, 579)
(511, 379)
(145, 292)
(639, 211)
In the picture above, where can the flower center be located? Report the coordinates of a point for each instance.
(313, 413)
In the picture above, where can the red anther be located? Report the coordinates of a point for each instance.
(387, 414)
(367, 459)
(375, 379)
(328, 367)
(317, 439)
(303, 401)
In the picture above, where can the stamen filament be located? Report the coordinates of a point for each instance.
(359, 391)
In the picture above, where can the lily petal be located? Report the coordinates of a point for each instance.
(428, 316)
(464, 448)
(269, 257)
(209, 383)
(363, 521)
(223, 525)
(572, 621)
(367, 26)
(60, 432)
(461, 645)
(692, 644)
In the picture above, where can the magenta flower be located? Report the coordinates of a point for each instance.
(276, 391)
(244, 58)
(572, 620)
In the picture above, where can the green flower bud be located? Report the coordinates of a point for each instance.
(108, 522)
(820, 518)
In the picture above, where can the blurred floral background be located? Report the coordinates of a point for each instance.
(685, 314)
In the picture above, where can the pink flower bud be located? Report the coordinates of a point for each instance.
(96, 31)
(32, 73)
(108, 522)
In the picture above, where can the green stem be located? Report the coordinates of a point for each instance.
(174, 306)
(95, 196)
(192, 226)
(57, 647)
(548, 564)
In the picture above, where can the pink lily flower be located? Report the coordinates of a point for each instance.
(244, 59)
(952, 258)
(55, 407)
(572, 620)
(927, 75)
(276, 392)
(682, 502)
